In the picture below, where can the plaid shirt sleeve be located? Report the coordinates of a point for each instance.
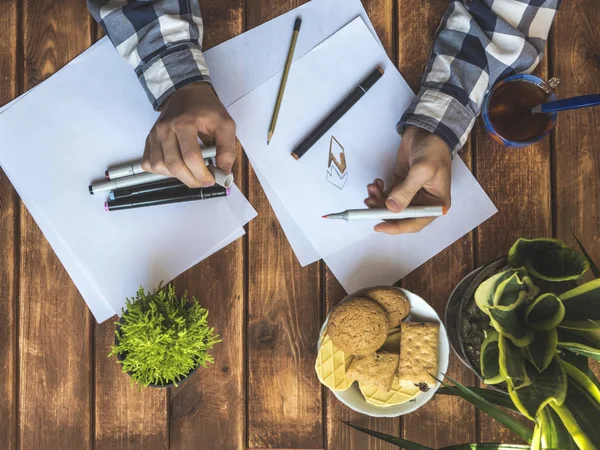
(477, 43)
(161, 39)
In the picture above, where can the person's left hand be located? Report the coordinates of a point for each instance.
(421, 178)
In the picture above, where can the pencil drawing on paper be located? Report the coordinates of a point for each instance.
(337, 173)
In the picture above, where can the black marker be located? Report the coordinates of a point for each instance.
(148, 189)
(338, 113)
(167, 198)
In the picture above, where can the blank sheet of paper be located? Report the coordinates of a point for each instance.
(88, 117)
(363, 143)
(382, 259)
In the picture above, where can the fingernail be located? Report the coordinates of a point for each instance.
(208, 184)
(393, 205)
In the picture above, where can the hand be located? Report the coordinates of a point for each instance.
(422, 177)
(172, 147)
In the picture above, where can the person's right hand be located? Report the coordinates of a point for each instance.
(422, 177)
(172, 147)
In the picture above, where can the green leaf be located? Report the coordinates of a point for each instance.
(509, 321)
(487, 447)
(582, 306)
(545, 313)
(409, 445)
(489, 360)
(543, 348)
(512, 364)
(553, 434)
(593, 266)
(580, 342)
(496, 397)
(509, 303)
(484, 295)
(513, 288)
(548, 259)
(580, 413)
(403, 443)
(549, 385)
(493, 411)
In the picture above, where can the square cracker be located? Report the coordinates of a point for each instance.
(375, 369)
(418, 352)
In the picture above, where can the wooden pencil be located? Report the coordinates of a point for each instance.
(286, 72)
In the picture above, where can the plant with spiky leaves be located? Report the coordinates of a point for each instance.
(542, 337)
(533, 330)
(161, 337)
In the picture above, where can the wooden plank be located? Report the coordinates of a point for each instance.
(54, 321)
(339, 435)
(284, 305)
(518, 182)
(444, 420)
(576, 162)
(209, 409)
(8, 243)
(125, 417)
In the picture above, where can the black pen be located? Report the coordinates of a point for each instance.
(337, 113)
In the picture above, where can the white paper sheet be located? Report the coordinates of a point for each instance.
(91, 116)
(243, 63)
(382, 259)
(367, 134)
(235, 72)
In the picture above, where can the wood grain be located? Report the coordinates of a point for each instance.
(8, 243)
(340, 436)
(54, 321)
(444, 420)
(518, 182)
(284, 304)
(125, 417)
(575, 56)
(210, 407)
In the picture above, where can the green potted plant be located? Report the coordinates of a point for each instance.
(538, 329)
(550, 265)
(161, 339)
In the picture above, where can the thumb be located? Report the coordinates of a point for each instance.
(401, 196)
(226, 145)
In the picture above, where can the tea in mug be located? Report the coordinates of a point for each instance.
(510, 111)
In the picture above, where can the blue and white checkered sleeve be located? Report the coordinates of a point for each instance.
(161, 39)
(478, 43)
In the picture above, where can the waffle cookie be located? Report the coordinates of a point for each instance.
(419, 353)
(400, 392)
(332, 365)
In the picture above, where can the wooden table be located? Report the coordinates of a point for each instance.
(58, 389)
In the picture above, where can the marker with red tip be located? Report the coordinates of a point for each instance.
(412, 212)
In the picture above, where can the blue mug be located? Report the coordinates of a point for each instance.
(547, 87)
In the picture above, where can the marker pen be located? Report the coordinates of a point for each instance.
(221, 178)
(412, 212)
(126, 170)
(120, 183)
(169, 184)
(167, 198)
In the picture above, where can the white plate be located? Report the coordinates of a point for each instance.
(420, 311)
